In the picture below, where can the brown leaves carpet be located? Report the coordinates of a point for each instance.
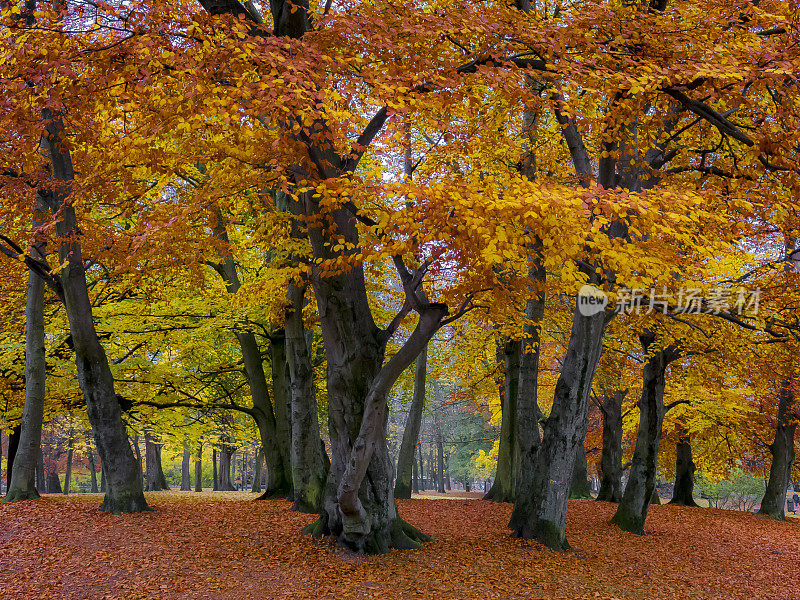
(222, 546)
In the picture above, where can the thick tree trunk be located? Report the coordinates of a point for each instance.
(405, 459)
(102, 480)
(632, 510)
(186, 483)
(92, 469)
(70, 454)
(782, 449)
(528, 436)
(541, 508)
(282, 400)
(53, 484)
(309, 461)
(214, 467)
(279, 484)
(683, 494)
(579, 488)
(502, 489)
(124, 486)
(13, 445)
(611, 456)
(359, 507)
(198, 469)
(258, 460)
(225, 482)
(156, 481)
(22, 483)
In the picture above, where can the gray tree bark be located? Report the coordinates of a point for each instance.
(611, 456)
(92, 469)
(214, 467)
(579, 487)
(225, 480)
(13, 444)
(257, 462)
(22, 485)
(309, 460)
(503, 487)
(773, 504)
(53, 483)
(124, 486)
(683, 494)
(528, 436)
(782, 447)
(198, 469)
(154, 472)
(541, 510)
(70, 454)
(278, 484)
(408, 447)
(186, 483)
(282, 400)
(41, 487)
(632, 510)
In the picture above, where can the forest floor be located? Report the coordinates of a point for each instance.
(224, 546)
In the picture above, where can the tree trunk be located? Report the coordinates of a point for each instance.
(359, 507)
(214, 466)
(782, 449)
(541, 508)
(70, 454)
(13, 444)
(611, 456)
(258, 460)
(53, 484)
(225, 454)
(92, 469)
(124, 486)
(421, 468)
(309, 461)
(156, 481)
(102, 479)
(198, 469)
(579, 488)
(186, 483)
(447, 483)
(502, 489)
(137, 452)
(41, 486)
(22, 483)
(655, 499)
(414, 475)
(528, 437)
(405, 459)
(439, 463)
(278, 484)
(632, 510)
(683, 494)
(282, 399)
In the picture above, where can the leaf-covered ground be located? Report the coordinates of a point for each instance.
(222, 547)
